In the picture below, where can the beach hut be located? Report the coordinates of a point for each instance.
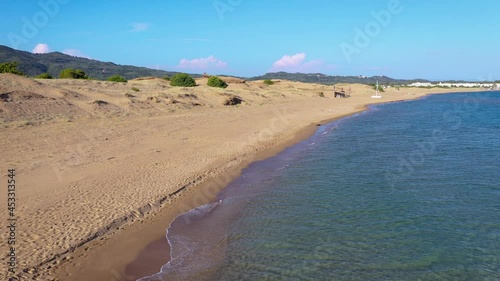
(341, 93)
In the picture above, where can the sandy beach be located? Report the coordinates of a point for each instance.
(102, 169)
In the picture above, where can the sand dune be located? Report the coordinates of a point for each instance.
(95, 157)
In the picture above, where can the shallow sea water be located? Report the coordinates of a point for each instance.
(403, 191)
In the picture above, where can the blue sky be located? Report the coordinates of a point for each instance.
(447, 39)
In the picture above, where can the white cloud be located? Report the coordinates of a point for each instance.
(139, 27)
(75, 53)
(201, 63)
(296, 63)
(41, 48)
(289, 61)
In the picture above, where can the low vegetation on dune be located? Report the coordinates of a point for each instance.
(233, 100)
(117, 78)
(182, 80)
(70, 73)
(215, 81)
(10, 67)
(268, 82)
(44, 76)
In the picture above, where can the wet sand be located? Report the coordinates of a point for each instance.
(149, 260)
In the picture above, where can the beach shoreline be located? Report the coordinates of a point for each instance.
(147, 259)
(183, 161)
(142, 267)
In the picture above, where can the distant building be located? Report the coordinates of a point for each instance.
(449, 85)
(421, 84)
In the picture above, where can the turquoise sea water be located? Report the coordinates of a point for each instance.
(404, 191)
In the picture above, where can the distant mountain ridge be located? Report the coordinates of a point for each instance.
(53, 63)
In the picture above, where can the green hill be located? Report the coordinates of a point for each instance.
(53, 63)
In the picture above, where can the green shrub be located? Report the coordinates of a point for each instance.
(182, 80)
(380, 88)
(268, 82)
(166, 78)
(70, 73)
(117, 78)
(321, 94)
(44, 76)
(10, 67)
(215, 81)
(135, 89)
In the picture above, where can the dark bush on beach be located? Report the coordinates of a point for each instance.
(44, 76)
(215, 81)
(380, 88)
(117, 78)
(182, 80)
(233, 100)
(10, 67)
(268, 82)
(70, 73)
